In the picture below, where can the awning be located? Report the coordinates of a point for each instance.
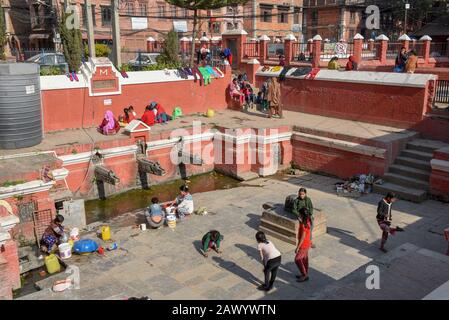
(39, 36)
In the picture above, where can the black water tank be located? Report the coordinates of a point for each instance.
(20, 105)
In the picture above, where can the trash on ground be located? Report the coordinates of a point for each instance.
(356, 186)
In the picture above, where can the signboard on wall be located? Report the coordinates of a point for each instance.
(180, 26)
(296, 28)
(275, 49)
(139, 23)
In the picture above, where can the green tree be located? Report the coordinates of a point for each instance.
(171, 48)
(2, 33)
(196, 6)
(72, 43)
(101, 50)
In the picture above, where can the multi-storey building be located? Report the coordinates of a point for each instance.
(334, 19)
(275, 18)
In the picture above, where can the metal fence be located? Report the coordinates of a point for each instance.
(251, 50)
(393, 49)
(27, 53)
(301, 51)
(438, 49)
(418, 47)
(370, 51)
(442, 92)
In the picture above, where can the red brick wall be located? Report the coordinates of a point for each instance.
(388, 105)
(80, 110)
(10, 273)
(340, 163)
(439, 184)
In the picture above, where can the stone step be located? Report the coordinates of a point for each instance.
(418, 155)
(410, 194)
(414, 163)
(425, 145)
(406, 181)
(410, 172)
(277, 235)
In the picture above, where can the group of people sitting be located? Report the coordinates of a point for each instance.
(406, 61)
(351, 65)
(182, 206)
(242, 90)
(154, 113)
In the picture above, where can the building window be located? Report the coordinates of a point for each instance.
(229, 26)
(94, 16)
(214, 27)
(142, 9)
(352, 17)
(314, 18)
(106, 15)
(283, 15)
(161, 11)
(265, 14)
(130, 8)
(296, 16)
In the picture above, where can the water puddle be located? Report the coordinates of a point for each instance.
(100, 210)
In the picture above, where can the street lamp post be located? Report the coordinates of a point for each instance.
(407, 7)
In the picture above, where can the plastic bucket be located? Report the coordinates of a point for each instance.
(171, 221)
(65, 250)
(143, 227)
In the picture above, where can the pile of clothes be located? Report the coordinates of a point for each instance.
(355, 186)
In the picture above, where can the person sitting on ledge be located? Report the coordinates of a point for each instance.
(351, 65)
(148, 116)
(184, 203)
(155, 214)
(53, 233)
(234, 91)
(412, 62)
(333, 64)
(110, 125)
(211, 240)
(161, 115)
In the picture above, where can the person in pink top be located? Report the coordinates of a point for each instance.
(271, 259)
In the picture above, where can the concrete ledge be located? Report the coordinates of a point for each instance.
(441, 165)
(340, 145)
(26, 188)
(283, 225)
(367, 77)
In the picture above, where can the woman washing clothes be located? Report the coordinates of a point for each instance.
(110, 125)
(52, 234)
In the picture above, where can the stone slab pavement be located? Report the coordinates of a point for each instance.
(166, 264)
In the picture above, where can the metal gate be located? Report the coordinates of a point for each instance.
(26, 210)
(41, 220)
(442, 92)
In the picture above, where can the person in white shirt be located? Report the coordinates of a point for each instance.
(271, 259)
(184, 203)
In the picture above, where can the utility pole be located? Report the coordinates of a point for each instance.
(90, 28)
(407, 6)
(116, 34)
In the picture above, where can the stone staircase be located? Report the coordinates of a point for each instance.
(409, 176)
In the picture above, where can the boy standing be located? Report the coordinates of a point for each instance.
(384, 218)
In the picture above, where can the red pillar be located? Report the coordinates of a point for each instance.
(150, 44)
(263, 48)
(251, 68)
(426, 48)
(405, 40)
(358, 47)
(382, 53)
(184, 44)
(288, 48)
(316, 51)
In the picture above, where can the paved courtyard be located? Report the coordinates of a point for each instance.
(166, 264)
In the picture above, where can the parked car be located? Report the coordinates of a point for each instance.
(144, 59)
(48, 60)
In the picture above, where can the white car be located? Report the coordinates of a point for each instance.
(144, 59)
